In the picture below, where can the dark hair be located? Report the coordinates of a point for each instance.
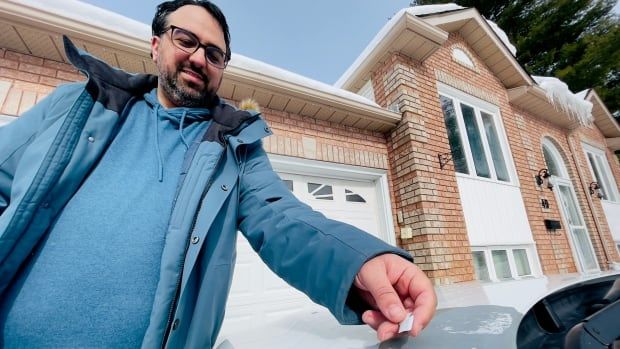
(160, 21)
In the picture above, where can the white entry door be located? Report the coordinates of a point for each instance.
(257, 294)
(576, 227)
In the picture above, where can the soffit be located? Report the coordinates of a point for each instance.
(486, 44)
(533, 99)
(602, 117)
(29, 31)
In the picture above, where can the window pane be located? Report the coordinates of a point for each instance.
(500, 261)
(321, 191)
(495, 147)
(454, 136)
(551, 165)
(605, 180)
(523, 265)
(475, 141)
(480, 266)
(597, 174)
(571, 206)
(584, 246)
(289, 184)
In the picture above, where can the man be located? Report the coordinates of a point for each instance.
(120, 199)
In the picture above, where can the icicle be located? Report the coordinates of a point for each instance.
(563, 99)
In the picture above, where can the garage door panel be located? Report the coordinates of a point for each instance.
(257, 294)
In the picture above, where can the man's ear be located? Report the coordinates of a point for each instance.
(155, 40)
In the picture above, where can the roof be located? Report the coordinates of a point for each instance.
(603, 119)
(36, 27)
(405, 33)
(420, 33)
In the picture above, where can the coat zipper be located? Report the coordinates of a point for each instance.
(187, 241)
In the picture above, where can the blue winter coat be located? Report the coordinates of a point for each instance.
(227, 185)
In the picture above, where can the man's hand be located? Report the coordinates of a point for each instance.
(394, 286)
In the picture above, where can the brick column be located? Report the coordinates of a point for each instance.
(429, 216)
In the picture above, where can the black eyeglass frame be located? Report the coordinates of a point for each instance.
(207, 48)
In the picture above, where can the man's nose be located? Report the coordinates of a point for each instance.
(199, 58)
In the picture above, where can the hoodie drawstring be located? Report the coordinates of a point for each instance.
(160, 158)
(182, 123)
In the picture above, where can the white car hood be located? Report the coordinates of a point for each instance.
(470, 315)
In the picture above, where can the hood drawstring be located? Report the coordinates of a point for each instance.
(160, 158)
(181, 125)
(173, 115)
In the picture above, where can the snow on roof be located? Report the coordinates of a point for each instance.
(93, 15)
(98, 17)
(583, 94)
(502, 36)
(416, 11)
(369, 48)
(268, 70)
(561, 97)
(430, 9)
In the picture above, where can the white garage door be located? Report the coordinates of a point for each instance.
(257, 294)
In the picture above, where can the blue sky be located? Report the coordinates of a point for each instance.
(318, 39)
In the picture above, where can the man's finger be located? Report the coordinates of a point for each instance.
(425, 305)
(374, 318)
(387, 330)
(375, 280)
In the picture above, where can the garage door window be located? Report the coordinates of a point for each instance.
(352, 197)
(321, 191)
(289, 184)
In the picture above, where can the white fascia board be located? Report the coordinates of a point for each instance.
(380, 44)
(344, 100)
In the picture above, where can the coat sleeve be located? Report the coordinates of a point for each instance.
(316, 255)
(15, 138)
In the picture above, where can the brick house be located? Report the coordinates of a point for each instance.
(435, 140)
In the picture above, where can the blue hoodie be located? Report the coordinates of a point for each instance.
(65, 282)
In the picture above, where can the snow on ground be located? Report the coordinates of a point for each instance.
(559, 94)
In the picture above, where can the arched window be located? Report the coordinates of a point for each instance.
(462, 57)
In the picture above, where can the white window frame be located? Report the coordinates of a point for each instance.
(488, 257)
(5, 119)
(611, 188)
(479, 106)
(462, 57)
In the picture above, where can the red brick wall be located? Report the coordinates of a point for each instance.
(30, 78)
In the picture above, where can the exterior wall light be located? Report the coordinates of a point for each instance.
(595, 190)
(542, 178)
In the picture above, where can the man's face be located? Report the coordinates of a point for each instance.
(188, 80)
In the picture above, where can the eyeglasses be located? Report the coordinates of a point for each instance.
(189, 42)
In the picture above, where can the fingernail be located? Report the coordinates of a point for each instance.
(395, 311)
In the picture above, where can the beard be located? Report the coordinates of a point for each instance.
(183, 94)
